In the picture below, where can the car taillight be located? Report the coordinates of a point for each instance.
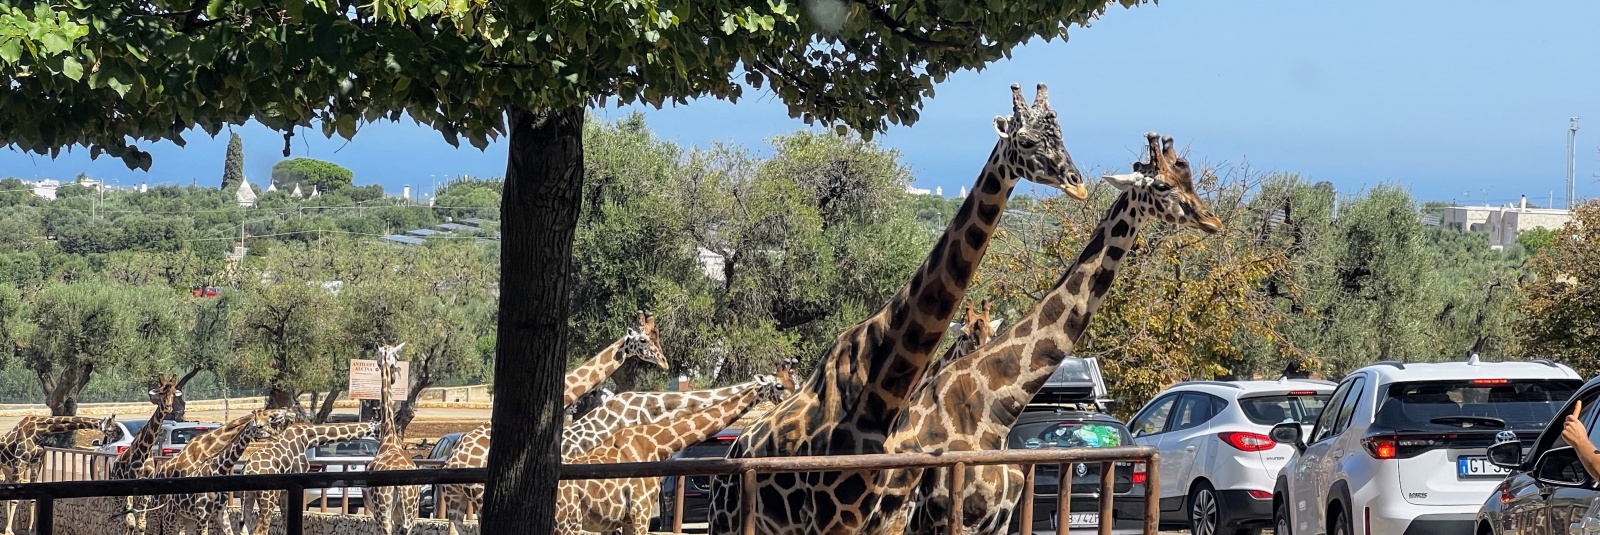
(1490, 381)
(1243, 441)
(168, 452)
(1139, 475)
(1303, 392)
(316, 468)
(1401, 446)
(121, 449)
(1260, 494)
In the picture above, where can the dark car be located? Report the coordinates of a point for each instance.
(1069, 413)
(696, 489)
(441, 451)
(1547, 491)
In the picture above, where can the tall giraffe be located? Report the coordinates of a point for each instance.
(22, 451)
(641, 342)
(472, 449)
(393, 508)
(629, 409)
(286, 454)
(997, 381)
(607, 505)
(865, 378)
(213, 454)
(138, 460)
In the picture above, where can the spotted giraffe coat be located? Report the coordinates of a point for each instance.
(286, 454)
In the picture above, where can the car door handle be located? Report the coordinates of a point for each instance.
(1191, 447)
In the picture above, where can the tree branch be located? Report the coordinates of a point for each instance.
(899, 29)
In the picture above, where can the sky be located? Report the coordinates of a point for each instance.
(1457, 100)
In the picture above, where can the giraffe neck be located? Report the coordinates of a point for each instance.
(629, 409)
(594, 371)
(60, 424)
(134, 461)
(223, 462)
(300, 437)
(390, 436)
(654, 442)
(203, 451)
(1016, 364)
(895, 352)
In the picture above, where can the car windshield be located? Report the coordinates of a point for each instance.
(1524, 404)
(1270, 410)
(1068, 434)
(711, 449)
(365, 447)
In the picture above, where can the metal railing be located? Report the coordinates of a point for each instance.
(45, 494)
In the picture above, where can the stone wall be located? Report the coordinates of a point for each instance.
(98, 516)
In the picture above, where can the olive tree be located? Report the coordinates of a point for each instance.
(107, 75)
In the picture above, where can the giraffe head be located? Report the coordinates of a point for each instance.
(1164, 188)
(1032, 133)
(643, 343)
(778, 386)
(267, 423)
(165, 392)
(978, 326)
(108, 426)
(388, 355)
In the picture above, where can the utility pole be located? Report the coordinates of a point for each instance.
(1572, 163)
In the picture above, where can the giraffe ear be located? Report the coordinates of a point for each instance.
(1002, 126)
(1125, 181)
(994, 325)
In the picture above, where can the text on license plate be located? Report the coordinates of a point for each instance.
(1478, 467)
(1077, 519)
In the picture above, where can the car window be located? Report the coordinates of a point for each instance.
(1273, 410)
(442, 449)
(1515, 404)
(1348, 406)
(1068, 434)
(1154, 418)
(348, 448)
(183, 435)
(1326, 420)
(1553, 435)
(1193, 410)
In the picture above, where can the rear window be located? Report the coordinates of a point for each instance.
(348, 448)
(1525, 404)
(708, 450)
(182, 435)
(1273, 410)
(1068, 434)
(116, 432)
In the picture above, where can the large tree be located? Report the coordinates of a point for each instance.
(105, 74)
(233, 163)
(1561, 318)
(80, 328)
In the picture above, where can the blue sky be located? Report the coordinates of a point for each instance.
(1458, 100)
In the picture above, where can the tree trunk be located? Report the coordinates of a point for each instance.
(278, 398)
(327, 406)
(539, 211)
(180, 405)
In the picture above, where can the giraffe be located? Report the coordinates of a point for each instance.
(393, 508)
(213, 454)
(996, 381)
(22, 453)
(641, 342)
(865, 378)
(286, 454)
(137, 461)
(472, 449)
(629, 409)
(605, 506)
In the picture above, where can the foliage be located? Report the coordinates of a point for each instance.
(1561, 318)
(79, 327)
(308, 173)
(1535, 239)
(233, 163)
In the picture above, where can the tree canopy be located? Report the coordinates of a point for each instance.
(233, 163)
(307, 173)
(1562, 314)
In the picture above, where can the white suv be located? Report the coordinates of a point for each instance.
(1217, 463)
(1400, 449)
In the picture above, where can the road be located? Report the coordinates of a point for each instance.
(423, 415)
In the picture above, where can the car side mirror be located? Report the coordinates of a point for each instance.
(1288, 433)
(1561, 467)
(1506, 452)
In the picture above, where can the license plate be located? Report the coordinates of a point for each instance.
(1478, 467)
(1077, 520)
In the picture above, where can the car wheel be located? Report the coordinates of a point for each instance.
(1206, 515)
(1341, 526)
(1280, 518)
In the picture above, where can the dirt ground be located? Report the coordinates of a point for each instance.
(429, 424)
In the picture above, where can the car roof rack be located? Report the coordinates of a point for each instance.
(1309, 380)
(1214, 383)
(1395, 363)
(1546, 362)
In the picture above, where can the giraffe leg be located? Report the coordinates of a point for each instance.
(266, 506)
(11, 475)
(409, 498)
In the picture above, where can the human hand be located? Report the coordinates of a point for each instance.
(1573, 431)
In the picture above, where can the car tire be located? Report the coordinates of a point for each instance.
(1280, 518)
(1206, 514)
(1341, 525)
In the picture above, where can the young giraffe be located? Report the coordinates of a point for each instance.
(997, 381)
(22, 454)
(605, 506)
(472, 449)
(213, 454)
(138, 460)
(393, 508)
(864, 380)
(629, 409)
(286, 454)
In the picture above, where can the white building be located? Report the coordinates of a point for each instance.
(918, 191)
(1505, 224)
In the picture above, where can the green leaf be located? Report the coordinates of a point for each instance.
(71, 68)
(10, 50)
(134, 50)
(346, 126)
(214, 9)
(54, 43)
